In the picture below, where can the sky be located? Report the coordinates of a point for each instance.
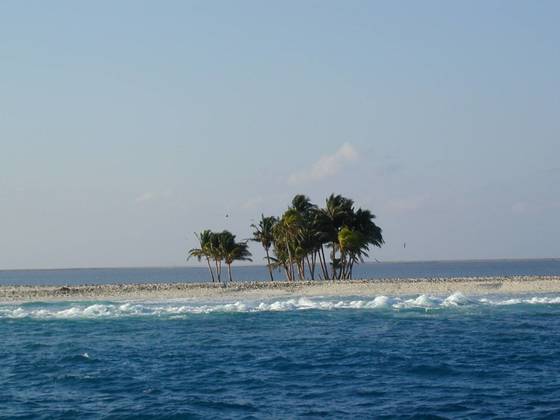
(127, 126)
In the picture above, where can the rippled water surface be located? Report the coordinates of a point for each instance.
(450, 356)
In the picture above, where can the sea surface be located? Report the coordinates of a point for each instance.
(343, 357)
(409, 357)
(433, 269)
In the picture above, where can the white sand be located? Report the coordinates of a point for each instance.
(269, 290)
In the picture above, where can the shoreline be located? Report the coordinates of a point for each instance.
(476, 286)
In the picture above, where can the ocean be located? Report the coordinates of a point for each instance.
(340, 357)
(420, 269)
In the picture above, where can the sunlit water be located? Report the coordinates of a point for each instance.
(346, 357)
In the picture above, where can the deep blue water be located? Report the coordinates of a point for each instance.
(480, 268)
(454, 357)
(347, 357)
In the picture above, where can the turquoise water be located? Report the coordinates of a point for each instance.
(346, 357)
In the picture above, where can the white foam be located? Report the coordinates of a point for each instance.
(545, 300)
(380, 302)
(458, 299)
(177, 308)
(422, 301)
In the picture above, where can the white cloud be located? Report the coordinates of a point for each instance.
(326, 166)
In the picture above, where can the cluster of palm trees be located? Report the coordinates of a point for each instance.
(217, 248)
(306, 242)
(305, 234)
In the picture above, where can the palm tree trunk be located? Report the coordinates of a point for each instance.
(333, 257)
(269, 267)
(311, 270)
(217, 271)
(324, 263)
(301, 269)
(321, 273)
(287, 272)
(210, 268)
(291, 261)
(346, 271)
(229, 272)
(313, 264)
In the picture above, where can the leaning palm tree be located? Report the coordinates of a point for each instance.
(305, 249)
(347, 232)
(362, 220)
(336, 214)
(321, 228)
(280, 259)
(216, 251)
(364, 233)
(299, 237)
(286, 235)
(204, 252)
(233, 251)
(263, 233)
(354, 239)
(302, 204)
(353, 246)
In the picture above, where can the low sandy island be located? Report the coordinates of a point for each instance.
(270, 290)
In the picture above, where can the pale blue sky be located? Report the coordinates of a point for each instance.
(126, 126)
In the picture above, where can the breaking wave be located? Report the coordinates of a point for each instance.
(83, 310)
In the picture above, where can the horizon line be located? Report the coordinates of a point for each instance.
(140, 267)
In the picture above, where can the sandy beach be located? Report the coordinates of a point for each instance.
(269, 290)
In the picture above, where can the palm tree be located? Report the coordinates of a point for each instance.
(233, 251)
(352, 245)
(305, 247)
(363, 222)
(281, 247)
(298, 238)
(347, 231)
(354, 239)
(216, 252)
(286, 233)
(364, 233)
(204, 240)
(263, 233)
(337, 213)
(321, 228)
(302, 204)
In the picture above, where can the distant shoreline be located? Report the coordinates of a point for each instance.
(268, 290)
